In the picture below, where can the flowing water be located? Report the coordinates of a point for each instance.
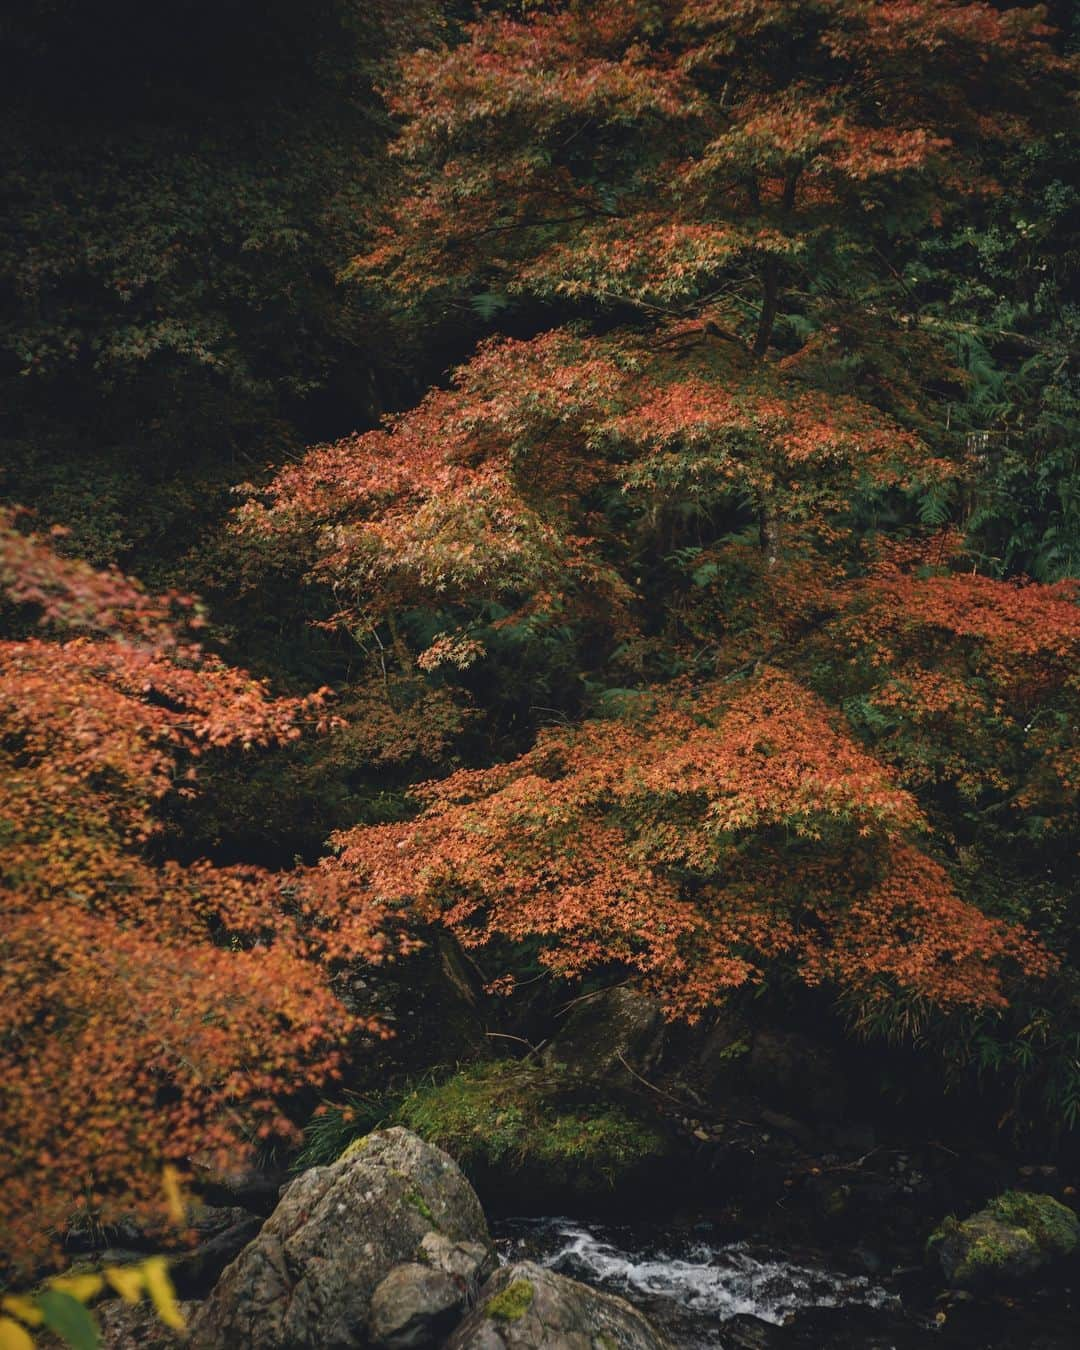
(689, 1283)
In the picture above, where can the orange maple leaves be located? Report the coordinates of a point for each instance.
(697, 840)
(147, 1009)
(618, 152)
(976, 680)
(487, 492)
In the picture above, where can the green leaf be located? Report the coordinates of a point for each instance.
(705, 574)
(69, 1319)
(488, 303)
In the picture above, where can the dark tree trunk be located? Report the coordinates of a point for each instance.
(769, 304)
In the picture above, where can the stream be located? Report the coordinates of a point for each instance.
(689, 1283)
(706, 1292)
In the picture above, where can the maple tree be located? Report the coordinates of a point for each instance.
(695, 839)
(493, 493)
(681, 478)
(967, 680)
(693, 155)
(692, 165)
(151, 1010)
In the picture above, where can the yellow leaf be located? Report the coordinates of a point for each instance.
(174, 1198)
(13, 1336)
(82, 1287)
(127, 1281)
(160, 1289)
(25, 1309)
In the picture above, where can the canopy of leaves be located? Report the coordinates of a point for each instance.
(707, 563)
(689, 480)
(179, 1006)
(698, 840)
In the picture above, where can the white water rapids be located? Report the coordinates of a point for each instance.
(689, 1284)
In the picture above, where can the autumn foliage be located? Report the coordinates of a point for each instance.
(646, 152)
(969, 681)
(702, 836)
(150, 1010)
(492, 492)
(666, 582)
(680, 482)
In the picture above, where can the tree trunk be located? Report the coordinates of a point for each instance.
(769, 303)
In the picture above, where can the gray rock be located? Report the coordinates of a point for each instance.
(611, 1035)
(525, 1307)
(414, 1308)
(745, 1332)
(469, 1262)
(307, 1281)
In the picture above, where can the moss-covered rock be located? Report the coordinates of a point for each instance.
(526, 1307)
(1054, 1226)
(510, 1125)
(1015, 1236)
(308, 1280)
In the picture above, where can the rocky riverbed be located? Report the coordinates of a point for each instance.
(736, 1189)
(388, 1248)
(707, 1291)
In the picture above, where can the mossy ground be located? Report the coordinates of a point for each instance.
(506, 1120)
(506, 1116)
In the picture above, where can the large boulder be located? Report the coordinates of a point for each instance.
(525, 1307)
(614, 1035)
(308, 1280)
(1015, 1236)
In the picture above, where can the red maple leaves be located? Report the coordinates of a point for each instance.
(698, 839)
(707, 174)
(147, 1009)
